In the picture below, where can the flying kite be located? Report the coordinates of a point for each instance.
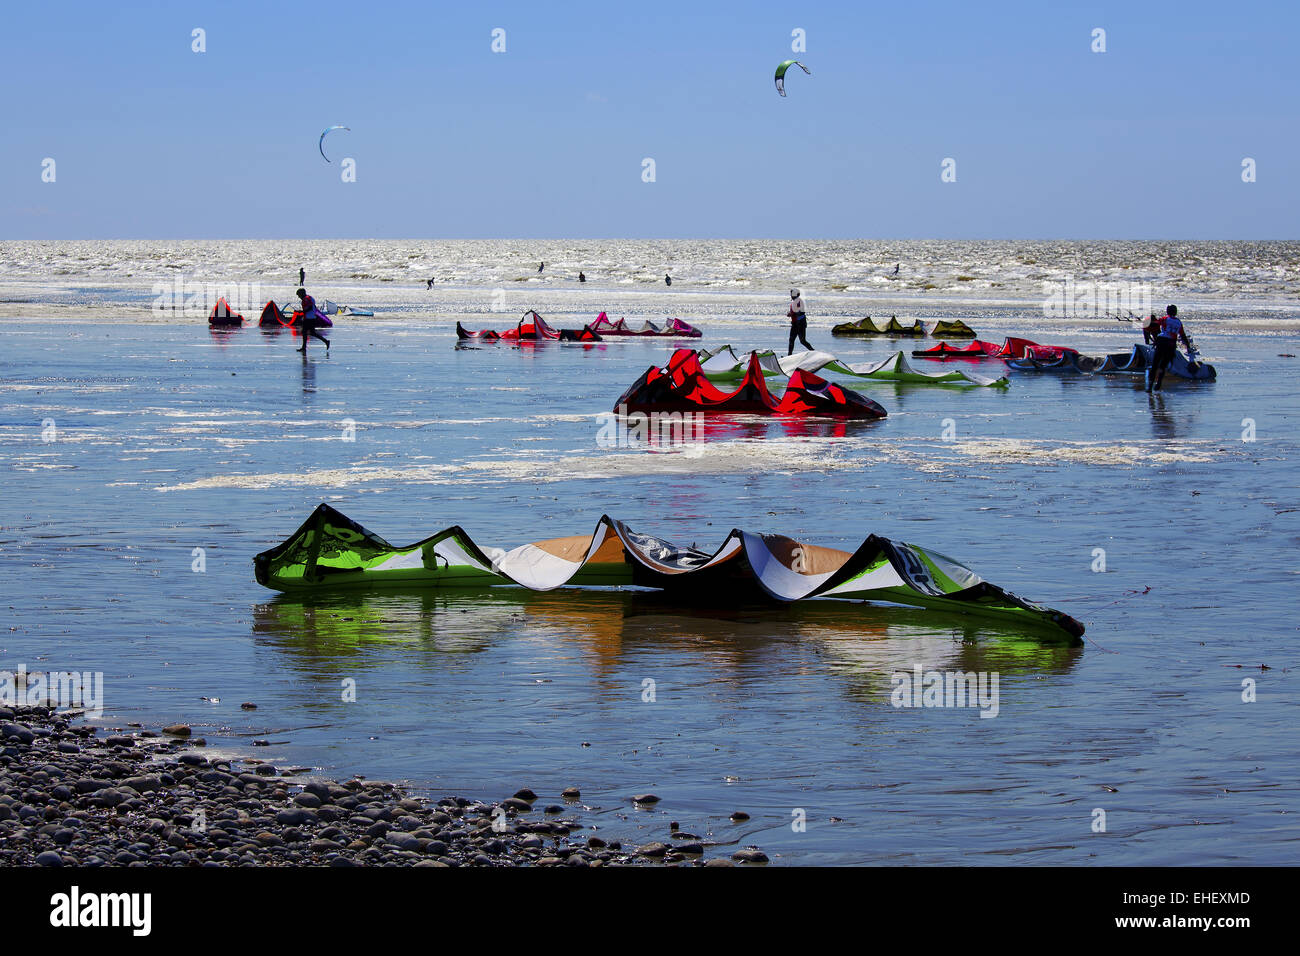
(321, 144)
(780, 73)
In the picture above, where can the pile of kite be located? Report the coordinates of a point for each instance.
(683, 386)
(533, 328)
(331, 553)
(942, 330)
(275, 316)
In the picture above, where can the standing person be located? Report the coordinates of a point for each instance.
(1171, 330)
(311, 320)
(798, 321)
(896, 267)
(302, 276)
(428, 284)
(668, 280)
(541, 267)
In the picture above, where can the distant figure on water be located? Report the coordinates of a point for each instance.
(668, 280)
(798, 321)
(1166, 339)
(581, 277)
(310, 320)
(428, 284)
(896, 266)
(302, 276)
(541, 267)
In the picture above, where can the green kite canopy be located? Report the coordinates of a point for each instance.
(330, 552)
(724, 365)
(780, 73)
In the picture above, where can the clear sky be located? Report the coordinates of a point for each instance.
(546, 140)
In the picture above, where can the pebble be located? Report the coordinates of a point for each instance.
(69, 798)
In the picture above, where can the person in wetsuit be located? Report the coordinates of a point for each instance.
(1166, 344)
(310, 320)
(798, 321)
(668, 280)
(582, 277)
(302, 276)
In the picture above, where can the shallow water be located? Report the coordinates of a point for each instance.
(169, 438)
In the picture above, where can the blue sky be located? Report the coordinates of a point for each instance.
(546, 140)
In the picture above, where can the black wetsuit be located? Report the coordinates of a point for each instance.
(1166, 347)
(798, 329)
(310, 324)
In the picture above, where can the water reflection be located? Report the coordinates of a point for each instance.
(1163, 424)
(221, 334)
(308, 378)
(680, 430)
(607, 632)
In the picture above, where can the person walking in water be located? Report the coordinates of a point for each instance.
(541, 267)
(311, 321)
(798, 321)
(1171, 330)
(302, 276)
(428, 284)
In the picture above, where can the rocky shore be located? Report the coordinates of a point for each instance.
(69, 797)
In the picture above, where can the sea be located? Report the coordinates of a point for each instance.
(147, 458)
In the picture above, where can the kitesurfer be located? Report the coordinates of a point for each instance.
(668, 280)
(897, 265)
(581, 277)
(428, 284)
(541, 267)
(310, 320)
(1166, 344)
(798, 321)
